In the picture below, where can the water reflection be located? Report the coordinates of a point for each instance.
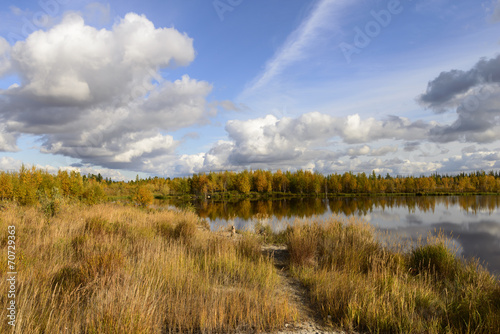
(473, 220)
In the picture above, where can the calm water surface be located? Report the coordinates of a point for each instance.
(473, 221)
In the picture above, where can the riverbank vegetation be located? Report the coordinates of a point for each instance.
(357, 283)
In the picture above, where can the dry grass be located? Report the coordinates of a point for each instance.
(114, 269)
(357, 284)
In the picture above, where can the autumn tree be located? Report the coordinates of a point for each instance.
(260, 181)
(143, 196)
(244, 182)
(6, 186)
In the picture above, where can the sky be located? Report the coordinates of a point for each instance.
(175, 87)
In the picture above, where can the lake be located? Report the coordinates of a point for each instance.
(472, 221)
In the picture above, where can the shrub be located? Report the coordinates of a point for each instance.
(93, 194)
(51, 205)
(357, 284)
(143, 196)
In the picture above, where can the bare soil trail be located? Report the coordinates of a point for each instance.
(309, 321)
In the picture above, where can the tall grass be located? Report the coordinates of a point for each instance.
(356, 283)
(113, 269)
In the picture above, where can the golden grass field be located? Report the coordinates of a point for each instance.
(114, 269)
(111, 268)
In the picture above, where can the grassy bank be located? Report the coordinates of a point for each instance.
(113, 269)
(356, 283)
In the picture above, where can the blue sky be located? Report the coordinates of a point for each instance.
(177, 87)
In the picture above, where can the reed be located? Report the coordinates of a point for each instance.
(357, 283)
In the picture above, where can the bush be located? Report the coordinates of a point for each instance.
(93, 194)
(143, 196)
(51, 205)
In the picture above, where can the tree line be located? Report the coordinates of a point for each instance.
(302, 182)
(31, 185)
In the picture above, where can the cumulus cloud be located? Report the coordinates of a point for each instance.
(287, 138)
(478, 119)
(409, 167)
(360, 150)
(476, 96)
(448, 88)
(336, 144)
(10, 164)
(367, 150)
(97, 95)
(311, 141)
(7, 140)
(472, 159)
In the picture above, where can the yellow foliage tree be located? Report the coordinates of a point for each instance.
(143, 196)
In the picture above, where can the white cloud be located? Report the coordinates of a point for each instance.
(471, 160)
(312, 139)
(138, 148)
(360, 150)
(419, 167)
(10, 164)
(367, 150)
(7, 140)
(98, 95)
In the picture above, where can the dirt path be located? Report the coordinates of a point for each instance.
(309, 321)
